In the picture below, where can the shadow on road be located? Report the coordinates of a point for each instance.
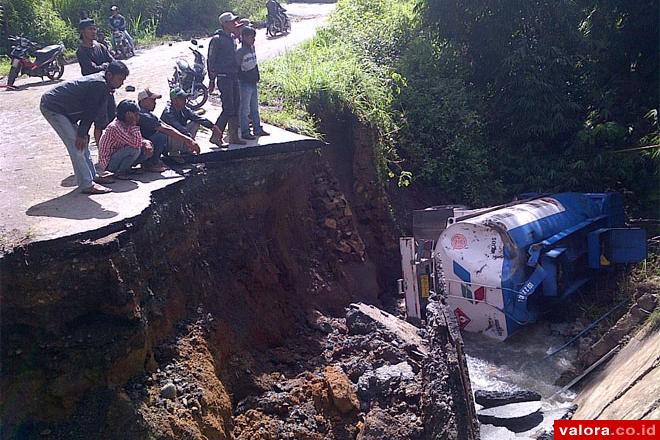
(73, 205)
(35, 84)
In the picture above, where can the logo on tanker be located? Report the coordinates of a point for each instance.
(461, 318)
(458, 241)
(474, 297)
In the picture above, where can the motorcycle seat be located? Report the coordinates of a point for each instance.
(183, 65)
(47, 51)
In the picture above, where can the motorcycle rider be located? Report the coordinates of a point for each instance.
(118, 23)
(273, 9)
(222, 66)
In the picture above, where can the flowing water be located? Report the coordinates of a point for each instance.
(519, 363)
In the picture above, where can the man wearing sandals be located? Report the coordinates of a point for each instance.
(122, 145)
(157, 131)
(71, 107)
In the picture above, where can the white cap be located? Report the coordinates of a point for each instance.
(226, 17)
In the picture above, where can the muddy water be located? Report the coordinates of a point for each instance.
(518, 363)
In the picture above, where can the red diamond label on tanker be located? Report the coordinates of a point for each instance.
(462, 319)
(458, 241)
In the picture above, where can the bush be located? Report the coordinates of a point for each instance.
(37, 20)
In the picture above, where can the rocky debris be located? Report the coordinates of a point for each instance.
(341, 390)
(489, 399)
(364, 384)
(365, 319)
(447, 402)
(381, 424)
(168, 391)
(335, 218)
(381, 382)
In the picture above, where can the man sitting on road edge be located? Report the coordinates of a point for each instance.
(122, 145)
(157, 131)
(178, 115)
(71, 107)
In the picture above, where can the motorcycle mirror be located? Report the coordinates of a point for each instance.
(193, 41)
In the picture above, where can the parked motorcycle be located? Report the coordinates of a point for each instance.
(49, 60)
(191, 79)
(123, 48)
(279, 25)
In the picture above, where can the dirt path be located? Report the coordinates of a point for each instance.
(36, 182)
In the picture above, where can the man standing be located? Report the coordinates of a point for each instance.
(118, 23)
(158, 132)
(185, 121)
(223, 66)
(71, 107)
(94, 57)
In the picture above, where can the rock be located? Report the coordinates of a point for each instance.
(317, 321)
(492, 432)
(341, 390)
(168, 391)
(517, 417)
(362, 319)
(382, 381)
(489, 399)
(330, 223)
(379, 424)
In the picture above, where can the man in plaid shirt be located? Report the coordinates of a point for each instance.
(122, 145)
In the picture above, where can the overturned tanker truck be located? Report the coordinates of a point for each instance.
(500, 268)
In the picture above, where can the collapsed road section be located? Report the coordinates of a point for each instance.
(183, 320)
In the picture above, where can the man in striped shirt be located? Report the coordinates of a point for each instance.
(122, 145)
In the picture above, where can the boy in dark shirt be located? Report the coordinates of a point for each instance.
(248, 77)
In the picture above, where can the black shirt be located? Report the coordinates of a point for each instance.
(84, 99)
(92, 58)
(180, 118)
(222, 55)
(148, 123)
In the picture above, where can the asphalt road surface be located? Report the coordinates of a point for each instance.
(35, 170)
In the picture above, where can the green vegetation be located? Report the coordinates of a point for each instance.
(49, 21)
(482, 100)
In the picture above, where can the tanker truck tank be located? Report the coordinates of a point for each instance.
(500, 268)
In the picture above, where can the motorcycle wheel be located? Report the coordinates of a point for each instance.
(55, 70)
(13, 74)
(200, 98)
(270, 30)
(287, 26)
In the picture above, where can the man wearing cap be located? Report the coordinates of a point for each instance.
(157, 131)
(118, 23)
(92, 56)
(185, 121)
(223, 66)
(122, 146)
(71, 107)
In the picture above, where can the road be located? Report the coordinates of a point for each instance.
(37, 191)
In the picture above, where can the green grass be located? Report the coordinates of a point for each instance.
(5, 65)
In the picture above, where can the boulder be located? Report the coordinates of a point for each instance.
(382, 381)
(517, 417)
(341, 390)
(362, 319)
(489, 399)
